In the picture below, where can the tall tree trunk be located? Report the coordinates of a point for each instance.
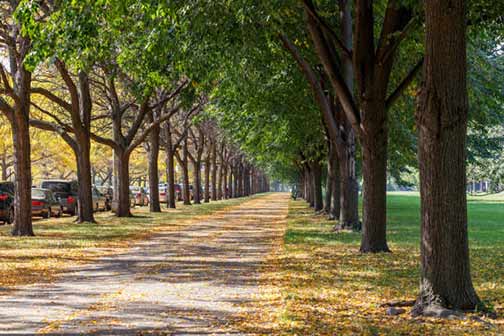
(85, 213)
(238, 180)
(335, 211)
(328, 194)
(4, 166)
(224, 181)
(197, 182)
(154, 204)
(220, 185)
(318, 203)
(234, 184)
(331, 162)
(442, 125)
(253, 181)
(214, 173)
(308, 186)
(207, 179)
(186, 194)
(374, 170)
(349, 202)
(230, 191)
(246, 180)
(22, 167)
(349, 210)
(170, 168)
(123, 191)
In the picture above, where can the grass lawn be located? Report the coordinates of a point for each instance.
(328, 288)
(60, 243)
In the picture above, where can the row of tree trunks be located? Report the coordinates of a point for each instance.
(442, 111)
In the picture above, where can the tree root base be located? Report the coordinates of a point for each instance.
(437, 311)
(353, 227)
(402, 303)
(383, 249)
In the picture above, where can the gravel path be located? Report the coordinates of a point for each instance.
(188, 282)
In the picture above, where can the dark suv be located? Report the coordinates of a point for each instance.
(7, 202)
(66, 192)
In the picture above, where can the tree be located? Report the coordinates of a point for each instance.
(367, 112)
(198, 145)
(442, 126)
(15, 105)
(122, 143)
(6, 155)
(153, 154)
(76, 132)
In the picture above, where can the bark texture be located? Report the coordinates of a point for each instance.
(207, 180)
(186, 194)
(154, 204)
(170, 166)
(215, 168)
(374, 170)
(318, 203)
(442, 125)
(123, 192)
(22, 166)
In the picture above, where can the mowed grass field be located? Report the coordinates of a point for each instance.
(329, 288)
(60, 242)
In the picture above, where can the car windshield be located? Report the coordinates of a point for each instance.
(56, 186)
(38, 193)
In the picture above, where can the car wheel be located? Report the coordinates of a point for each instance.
(48, 214)
(11, 217)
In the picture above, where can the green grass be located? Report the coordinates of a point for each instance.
(485, 214)
(328, 277)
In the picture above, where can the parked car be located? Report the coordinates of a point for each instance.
(132, 199)
(140, 195)
(44, 204)
(66, 192)
(108, 193)
(178, 192)
(7, 202)
(99, 200)
(182, 192)
(163, 193)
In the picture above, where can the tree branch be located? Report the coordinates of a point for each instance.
(144, 108)
(397, 41)
(310, 9)
(104, 141)
(51, 115)
(149, 128)
(48, 126)
(52, 97)
(314, 83)
(171, 95)
(404, 84)
(7, 109)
